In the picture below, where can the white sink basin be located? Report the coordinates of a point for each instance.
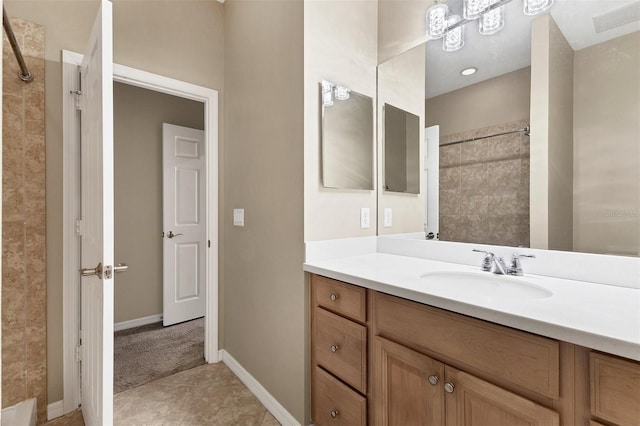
(482, 285)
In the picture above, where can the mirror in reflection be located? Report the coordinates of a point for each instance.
(347, 138)
(401, 150)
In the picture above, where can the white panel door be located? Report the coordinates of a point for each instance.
(432, 179)
(97, 218)
(184, 221)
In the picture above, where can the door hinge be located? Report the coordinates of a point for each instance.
(78, 94)
(79, 227)
(209, 243)
(78, 355)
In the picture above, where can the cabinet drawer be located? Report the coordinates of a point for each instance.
(615, 389)
(335, 403)
(344, 299)
(340, 346)
(503, 354)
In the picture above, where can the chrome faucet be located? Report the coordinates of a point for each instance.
(496, 265)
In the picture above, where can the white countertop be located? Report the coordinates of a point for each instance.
(598, 316)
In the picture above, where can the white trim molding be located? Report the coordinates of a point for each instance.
(275, 408)
(71, 208)
(55, 410)
(125, 325)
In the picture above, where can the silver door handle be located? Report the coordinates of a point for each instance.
(171, 234)
(87, 272)
(121, 267)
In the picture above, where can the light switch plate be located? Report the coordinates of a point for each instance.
(388, 217)
(365, 217)
(238, 217)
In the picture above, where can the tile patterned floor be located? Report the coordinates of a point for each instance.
(207, 395)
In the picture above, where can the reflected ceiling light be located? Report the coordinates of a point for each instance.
(453, 38)
(489, 13)
(332, 90)
(533, 7)
(469, 71)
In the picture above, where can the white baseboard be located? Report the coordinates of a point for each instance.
(55, 409)
(275, 408)
(137, 322)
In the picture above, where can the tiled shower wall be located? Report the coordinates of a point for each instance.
(24, 292)
(484, 187)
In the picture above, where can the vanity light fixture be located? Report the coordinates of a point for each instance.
(332, 90)
(469, 71)
(489, 13)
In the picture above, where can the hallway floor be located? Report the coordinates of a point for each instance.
(207, 395)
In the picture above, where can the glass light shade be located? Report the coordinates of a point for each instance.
(453, 39)
(492, 21)
(533, 7)
(342, 93)
(472, 9)
(437, 21)
(327, 93)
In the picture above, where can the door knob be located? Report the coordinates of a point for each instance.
(171, 234)
(434, 380)
(87, 272)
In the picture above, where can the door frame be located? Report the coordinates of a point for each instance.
(71, 208)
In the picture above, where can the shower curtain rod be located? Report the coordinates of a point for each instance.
(526, 131)
(24, 73)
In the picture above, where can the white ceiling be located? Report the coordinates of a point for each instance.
(510, 50)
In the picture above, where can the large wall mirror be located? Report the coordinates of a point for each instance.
(347, 138)
(491, 165)
(401, 141)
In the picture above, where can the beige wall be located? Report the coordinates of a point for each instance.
(138, 118)
(401, 84)
(401, 26)
(607, 147)
(266, 300)
(24, 285)
(551, 193)
(466, 109)
(182, 40)
(344, 52)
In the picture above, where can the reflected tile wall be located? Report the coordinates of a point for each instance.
(484, 187)
(24, 292)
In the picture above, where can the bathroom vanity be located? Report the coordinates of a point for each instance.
(399, 355)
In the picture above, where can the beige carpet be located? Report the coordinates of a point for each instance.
(150, 352)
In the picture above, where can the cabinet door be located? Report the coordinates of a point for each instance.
(471, 401)
(403, 393)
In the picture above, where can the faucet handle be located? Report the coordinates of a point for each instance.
(487, 262)
(515, 268)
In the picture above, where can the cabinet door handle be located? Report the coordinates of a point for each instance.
(449, 387)
(333, 297)
(434, 380)
(334, 348)
(334, 414)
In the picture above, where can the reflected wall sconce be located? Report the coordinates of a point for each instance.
(489, 14)
(332, 90)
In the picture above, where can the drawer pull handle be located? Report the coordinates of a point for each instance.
(434, 380)
(448, 387)
(334, 348)
(334, 414)
(333, 297)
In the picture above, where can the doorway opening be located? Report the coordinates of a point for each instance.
(207, 100)
(159, 172)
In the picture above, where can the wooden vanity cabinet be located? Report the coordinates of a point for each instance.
(614, 389)
(412, 388)
(399, 362)
(338, 353)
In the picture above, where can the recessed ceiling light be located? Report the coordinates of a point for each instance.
(469, 71)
